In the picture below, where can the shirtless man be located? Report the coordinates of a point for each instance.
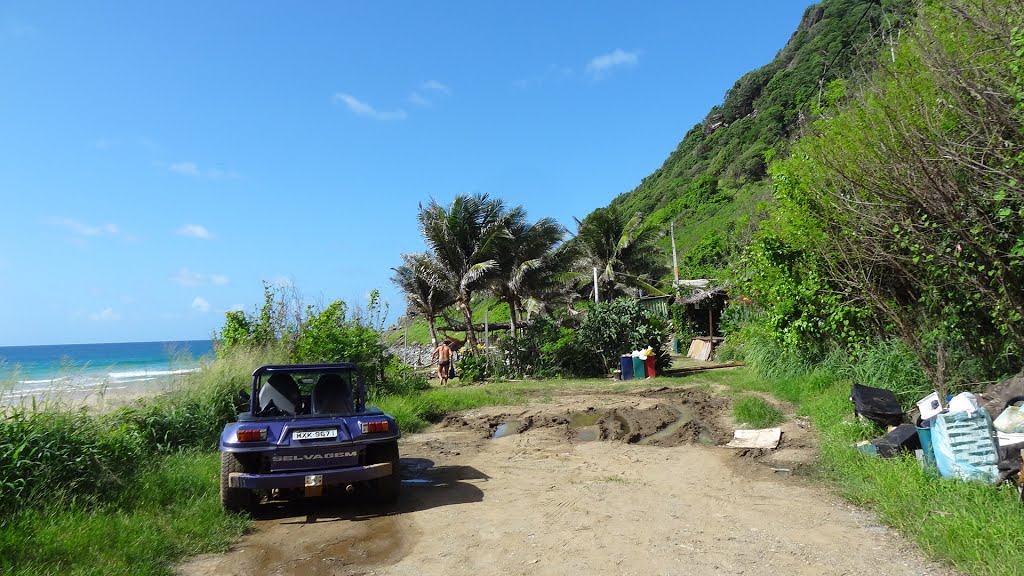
(444, 359)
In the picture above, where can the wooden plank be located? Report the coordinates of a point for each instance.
(694, 344)
(687, 370)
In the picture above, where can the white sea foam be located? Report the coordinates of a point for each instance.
(47, 381)
(149, 374)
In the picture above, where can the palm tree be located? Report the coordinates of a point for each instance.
(550, 285)
(421, 297)
(624, 252)
(465, 240)
(528, 264)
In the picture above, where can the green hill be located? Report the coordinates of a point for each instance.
(712, 183)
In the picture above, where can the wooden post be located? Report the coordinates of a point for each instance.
(675, 260)
(596, 297)
(487, 331)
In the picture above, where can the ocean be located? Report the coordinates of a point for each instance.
(33, 369)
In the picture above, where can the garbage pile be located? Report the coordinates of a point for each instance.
(957, 440)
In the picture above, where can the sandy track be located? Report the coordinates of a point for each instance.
(544, 502)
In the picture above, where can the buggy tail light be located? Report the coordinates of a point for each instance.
(252, 435)
(371, 427)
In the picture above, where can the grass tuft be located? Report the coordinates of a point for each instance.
(756, 411)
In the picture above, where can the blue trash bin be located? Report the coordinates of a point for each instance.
(626, 365)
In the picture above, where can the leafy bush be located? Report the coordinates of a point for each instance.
(473, 367)
(618, 327)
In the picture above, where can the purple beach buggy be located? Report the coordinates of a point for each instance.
(308, 433)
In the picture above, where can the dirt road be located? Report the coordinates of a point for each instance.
(584, 484)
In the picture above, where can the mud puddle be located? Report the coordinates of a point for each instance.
(676, 417)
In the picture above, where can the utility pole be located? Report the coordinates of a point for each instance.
(596, 298)
(675, 260)
(487, 331)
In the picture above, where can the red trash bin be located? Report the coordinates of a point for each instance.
(649, 366)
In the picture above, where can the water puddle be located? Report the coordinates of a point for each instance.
(506, 429)
(685, 417)
(584, 425)
(416, 481)
(584, 419)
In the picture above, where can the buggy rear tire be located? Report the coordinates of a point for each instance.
(234, 499)
(385, 490)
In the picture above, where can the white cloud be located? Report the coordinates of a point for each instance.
(195, 231)
(219, 173)
(435, 87)
(105, 315)
(189, 168)
(419, 100)
(186, 277)
(427, 91)
(186, 168)
(360, 108)
(199, 303)
(599, 66)
(82, 229)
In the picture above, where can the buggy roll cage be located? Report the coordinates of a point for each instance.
(360, 392)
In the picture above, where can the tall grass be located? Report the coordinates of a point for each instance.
(757, 412)
(169, 510)
(61, 450)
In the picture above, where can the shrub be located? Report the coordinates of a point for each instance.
(618, 327)
(473, 367)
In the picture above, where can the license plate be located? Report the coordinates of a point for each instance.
(315, 434)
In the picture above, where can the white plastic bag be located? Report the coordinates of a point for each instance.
(964, 402)
(1011, 421)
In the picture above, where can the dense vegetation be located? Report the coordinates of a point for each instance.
(713, 183)
(904, 203)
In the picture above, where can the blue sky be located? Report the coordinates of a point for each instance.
(159, 160)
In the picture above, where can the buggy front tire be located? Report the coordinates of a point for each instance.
(233, 499)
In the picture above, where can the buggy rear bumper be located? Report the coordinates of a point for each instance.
(281, 480)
